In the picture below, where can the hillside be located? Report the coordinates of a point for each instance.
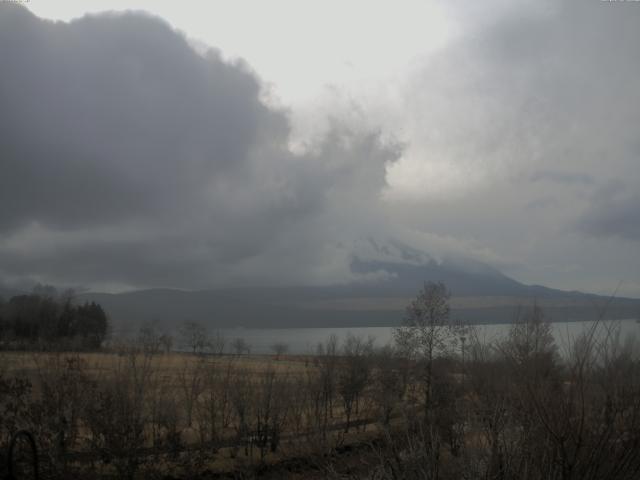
(480, 294)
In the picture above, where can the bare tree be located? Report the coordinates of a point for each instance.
(192, 385)
(427, 331)
(271, 410)
(327, 361)
(279, 348)
(354, 374)
(241, 346)
(166, 341)
(530, 342)
(148, 339)
(388, 384)
(62, 385)
(218, 342)
(194, 336)
(116, 416)
(242, 394)
(214, 410)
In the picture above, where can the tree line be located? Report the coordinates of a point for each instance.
(46, 317)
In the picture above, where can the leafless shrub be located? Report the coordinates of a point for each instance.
(354, 374)
(271, 410)
(190, 380)
(327, 362)
(165, 422)
(15, 395)
(115, 414)
(388, 388)
(214, 408)
(243, 405)
(56, 411)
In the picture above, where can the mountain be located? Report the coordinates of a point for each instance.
(480, 294)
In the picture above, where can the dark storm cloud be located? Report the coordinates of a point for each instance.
(128, 158)
(116, 116)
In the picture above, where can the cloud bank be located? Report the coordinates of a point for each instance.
(130, 160)
(522, 137)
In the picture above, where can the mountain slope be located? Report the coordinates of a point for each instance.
(480, 294)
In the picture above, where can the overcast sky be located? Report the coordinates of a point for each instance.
(217, 143)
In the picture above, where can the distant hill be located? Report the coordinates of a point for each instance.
(481, 294)
(7, 292)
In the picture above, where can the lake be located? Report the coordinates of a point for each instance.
(304, 340)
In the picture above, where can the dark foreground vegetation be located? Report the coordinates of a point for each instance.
(439, 403)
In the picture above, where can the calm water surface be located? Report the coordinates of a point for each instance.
(305, 340)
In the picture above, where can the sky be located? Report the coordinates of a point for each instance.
(202, 144)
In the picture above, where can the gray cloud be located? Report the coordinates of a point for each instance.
(562, 177)
(614, 211)
(513, 129)
(128, 158)
(115, 116)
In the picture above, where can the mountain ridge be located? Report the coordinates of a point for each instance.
(482, 295)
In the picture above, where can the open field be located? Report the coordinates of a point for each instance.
(223, 412)
(167, 365)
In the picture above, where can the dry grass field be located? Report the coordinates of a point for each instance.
(186, 412)
(168, 365)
